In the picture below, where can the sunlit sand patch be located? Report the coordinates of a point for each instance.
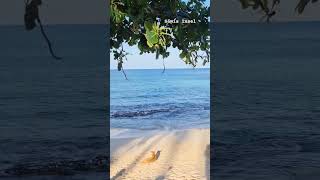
(168, 155)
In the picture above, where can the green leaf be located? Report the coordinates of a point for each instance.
(151, 34)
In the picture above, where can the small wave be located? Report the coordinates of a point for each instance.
(127, 114)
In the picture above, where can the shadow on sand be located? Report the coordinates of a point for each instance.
(126, 170)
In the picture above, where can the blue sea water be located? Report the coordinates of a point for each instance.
(152, 100)
(266, 106)
(53, 113)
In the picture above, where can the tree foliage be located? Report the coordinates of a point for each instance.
(268, 6)
(141, 23)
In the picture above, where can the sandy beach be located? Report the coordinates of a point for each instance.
(177, 155)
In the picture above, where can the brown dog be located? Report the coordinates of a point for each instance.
(153, 158)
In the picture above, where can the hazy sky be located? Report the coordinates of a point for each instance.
(95, 11)
(57, 11)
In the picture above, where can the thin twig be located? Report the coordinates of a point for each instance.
(164, 67)
(124, 73)
(47, 39)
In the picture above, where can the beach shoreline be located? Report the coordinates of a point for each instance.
(178, 154)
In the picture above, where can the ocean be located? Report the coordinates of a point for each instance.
(53, 114)
(266, 108)
(151, 100)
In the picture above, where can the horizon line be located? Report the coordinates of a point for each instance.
(62, 24)
(162, 68)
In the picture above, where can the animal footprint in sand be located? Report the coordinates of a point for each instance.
(153, 158)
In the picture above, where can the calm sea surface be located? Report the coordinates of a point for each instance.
(53, 113)
(152, 100)
(266, 107)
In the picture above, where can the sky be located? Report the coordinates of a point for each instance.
(149, 61)
(57, 11)
(95, 12)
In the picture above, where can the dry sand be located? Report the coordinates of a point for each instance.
(179, 155)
